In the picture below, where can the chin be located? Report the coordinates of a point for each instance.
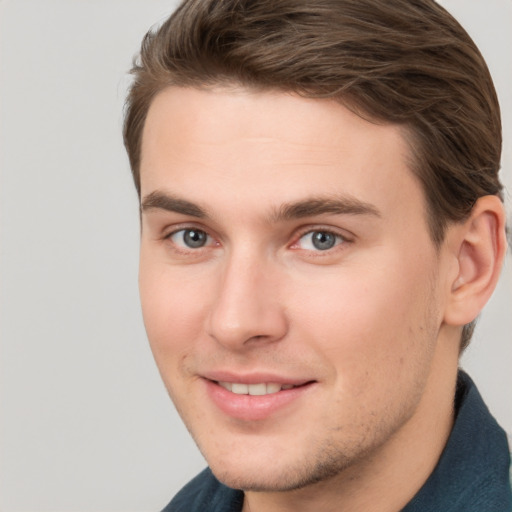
(276, 474)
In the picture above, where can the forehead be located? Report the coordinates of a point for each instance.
(215, 116)
(270, 147)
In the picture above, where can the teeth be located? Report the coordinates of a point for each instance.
(226, 385)
(257, 389)
(240, 389)
(254, 389)
(273, 388)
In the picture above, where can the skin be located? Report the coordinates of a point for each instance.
(364, 321)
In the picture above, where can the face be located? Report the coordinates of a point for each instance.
(290, 290)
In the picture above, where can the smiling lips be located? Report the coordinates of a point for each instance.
(256, 400)
(255, 389)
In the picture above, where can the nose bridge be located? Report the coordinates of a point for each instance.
(246, 307)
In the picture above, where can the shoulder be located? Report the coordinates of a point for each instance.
(206, 494)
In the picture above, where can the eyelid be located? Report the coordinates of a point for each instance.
(184, 226)
(346, 237)
(341, 234)
(167, 237)
(207, 241)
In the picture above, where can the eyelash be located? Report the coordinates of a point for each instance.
(340, 240)
(184, 249)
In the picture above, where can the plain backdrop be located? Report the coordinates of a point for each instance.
(85, 423)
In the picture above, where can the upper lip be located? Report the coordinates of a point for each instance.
(254, 378)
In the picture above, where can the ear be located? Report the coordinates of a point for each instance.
(479, 245)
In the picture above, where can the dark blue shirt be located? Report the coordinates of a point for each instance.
(472, 474)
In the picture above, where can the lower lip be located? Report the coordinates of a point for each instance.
(251, 407)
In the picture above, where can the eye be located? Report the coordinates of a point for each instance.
(319, 240)
(190, 238)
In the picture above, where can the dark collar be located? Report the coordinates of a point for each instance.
(472, 474)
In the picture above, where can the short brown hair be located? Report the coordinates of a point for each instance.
(406, 62)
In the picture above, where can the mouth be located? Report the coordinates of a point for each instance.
(259, 389)
(252, 401)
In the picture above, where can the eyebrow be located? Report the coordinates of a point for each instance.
(159, 200)
(309, 207)
(337, 205)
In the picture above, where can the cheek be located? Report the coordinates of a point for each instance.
(363, 321)
(374, 346)
(172, 309)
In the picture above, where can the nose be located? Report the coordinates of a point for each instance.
(247, 309)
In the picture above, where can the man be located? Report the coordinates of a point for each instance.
(321, 225)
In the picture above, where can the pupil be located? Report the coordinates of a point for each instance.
(323, 241)
(194, 238)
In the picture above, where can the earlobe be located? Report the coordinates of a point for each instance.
(481, 246)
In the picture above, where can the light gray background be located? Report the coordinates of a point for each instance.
(85, 423)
